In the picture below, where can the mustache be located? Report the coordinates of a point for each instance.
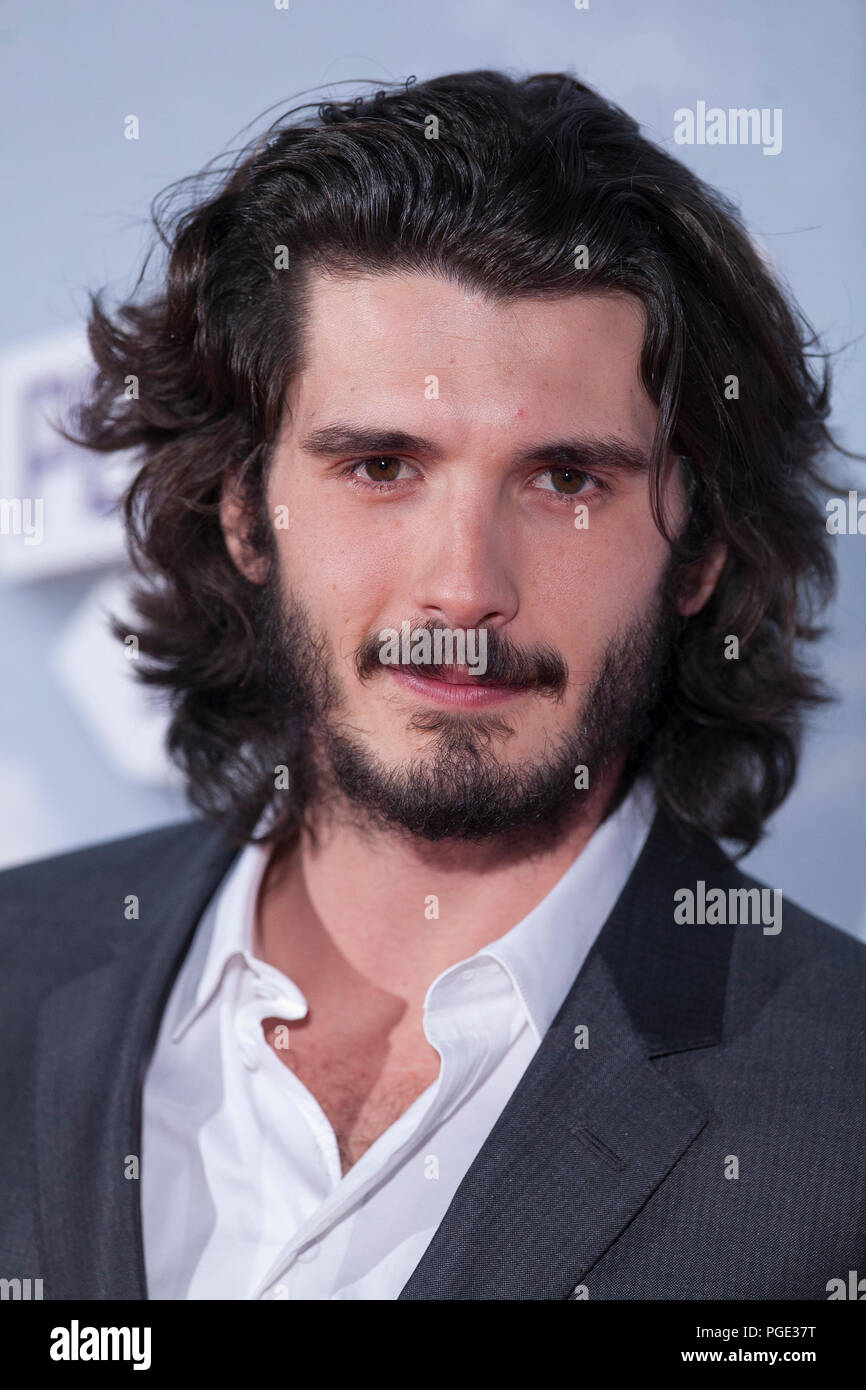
(539, 667)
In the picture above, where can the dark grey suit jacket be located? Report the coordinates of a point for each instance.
(605, 1173)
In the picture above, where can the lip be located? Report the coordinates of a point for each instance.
(462, 692)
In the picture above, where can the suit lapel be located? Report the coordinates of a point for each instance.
(591, 1132)
(95, 1036)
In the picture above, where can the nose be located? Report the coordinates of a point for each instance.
(464, 573)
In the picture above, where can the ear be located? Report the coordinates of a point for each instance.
(701, 580)
(236, 524)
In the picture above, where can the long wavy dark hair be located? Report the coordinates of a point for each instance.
(516, 176)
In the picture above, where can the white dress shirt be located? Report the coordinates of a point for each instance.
(242, 1192)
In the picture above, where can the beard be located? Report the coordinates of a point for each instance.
(459, 788)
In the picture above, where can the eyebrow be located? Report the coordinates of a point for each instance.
(333, 441)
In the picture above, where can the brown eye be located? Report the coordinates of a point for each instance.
(382, 470)
(567, 479)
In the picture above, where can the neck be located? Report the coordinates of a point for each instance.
(375, 908)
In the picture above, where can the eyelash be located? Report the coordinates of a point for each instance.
(368, 484)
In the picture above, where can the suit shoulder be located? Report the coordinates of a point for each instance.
(63, 901)
(810, 937)
(93, 863)
(805, 973)
(68, 914)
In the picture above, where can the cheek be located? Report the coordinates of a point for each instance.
(341, 570)
(602, 577)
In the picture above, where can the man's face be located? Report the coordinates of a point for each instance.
(481, 517)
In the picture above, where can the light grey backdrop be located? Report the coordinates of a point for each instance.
(76, 204)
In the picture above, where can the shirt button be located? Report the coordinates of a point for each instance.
(309, 1252)
(467, 974)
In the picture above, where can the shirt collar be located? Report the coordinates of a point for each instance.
(225, 933)
(542, 954)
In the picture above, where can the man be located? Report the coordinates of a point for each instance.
(479, 526)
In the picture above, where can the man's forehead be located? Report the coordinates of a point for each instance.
(389, 305)
(371, 338)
